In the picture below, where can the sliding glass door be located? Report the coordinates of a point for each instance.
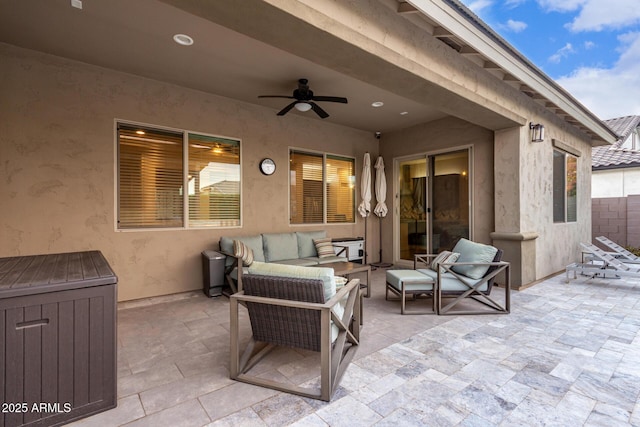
(433, 203)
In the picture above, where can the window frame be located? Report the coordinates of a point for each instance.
(186, 225)
(325, 208)
(566, 156)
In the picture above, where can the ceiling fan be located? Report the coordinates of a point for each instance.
(304, 98)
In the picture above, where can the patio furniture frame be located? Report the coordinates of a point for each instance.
(620, 252)
(292, 312)
(472, 290)
(415, 291)
(607, 266)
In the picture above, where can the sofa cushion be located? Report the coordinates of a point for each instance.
(254, 242)
(296, 271)
(413, 280)
(279, 246)
(324, 247)
(473, 252)
(307, 262)
(328, 259)
(306, 247)
(243, 251)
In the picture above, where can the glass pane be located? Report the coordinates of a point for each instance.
(214, 181)
(572, 186)
(558, 187)
(150, 178)
(305, 180)
(413, 208)
(340, 184)
(450, 200)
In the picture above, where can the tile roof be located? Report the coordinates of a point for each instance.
(613, 156)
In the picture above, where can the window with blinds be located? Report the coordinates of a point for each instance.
(152, 175)
(340, 184)
(213, 181)
(322, 188)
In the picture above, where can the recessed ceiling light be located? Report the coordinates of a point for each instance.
(183, 39)
(377, 104)
(140, 132)
(404, 113)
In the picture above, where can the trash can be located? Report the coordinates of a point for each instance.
(213, 273)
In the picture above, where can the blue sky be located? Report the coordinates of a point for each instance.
(590, 47)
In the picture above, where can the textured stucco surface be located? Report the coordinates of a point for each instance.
(57, 152)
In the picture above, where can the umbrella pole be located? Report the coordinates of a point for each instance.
(380, 264)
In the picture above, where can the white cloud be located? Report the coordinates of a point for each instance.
(609, 92)
(510, 4)
(515, 26)
(563, 52)
(589, 45)
(597, 15)
(478, 5)
(561, 5)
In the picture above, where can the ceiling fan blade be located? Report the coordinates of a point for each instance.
(286, 109)
(319, 111)
(330, 99)
(276, 96)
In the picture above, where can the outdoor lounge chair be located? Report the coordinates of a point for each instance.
(292, 312)
(604, 266)
(457, 288)
(620, 252)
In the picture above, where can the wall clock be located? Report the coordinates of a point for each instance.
(267, 166)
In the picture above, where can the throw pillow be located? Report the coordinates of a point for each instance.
(244, 252)
(324, 247)
(439, 259)
(450, 257)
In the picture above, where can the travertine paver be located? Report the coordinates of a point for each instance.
(567, 355)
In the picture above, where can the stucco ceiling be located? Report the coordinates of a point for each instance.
(136, 37)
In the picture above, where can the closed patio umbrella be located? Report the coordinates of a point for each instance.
(381, 189)
(364, 209)
(381, 207)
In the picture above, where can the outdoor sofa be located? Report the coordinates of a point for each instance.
(301, 248)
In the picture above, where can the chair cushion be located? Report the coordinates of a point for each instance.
(306, 262)
(254, 242)
(328, 259)
(473, 252)
(444, 257)
(324, 247)
(297, 271)
(306, 247)
(450, 283)
(279, 246)
(413, 280)
(243, 251)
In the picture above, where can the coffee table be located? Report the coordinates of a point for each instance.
(349, 268)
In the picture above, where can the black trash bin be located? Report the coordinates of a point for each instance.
(213, 273)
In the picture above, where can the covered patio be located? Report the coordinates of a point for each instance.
(566, 355)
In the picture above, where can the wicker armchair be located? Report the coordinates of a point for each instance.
(292, 312)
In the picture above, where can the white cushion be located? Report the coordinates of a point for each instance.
(299, 272)
(473, 252)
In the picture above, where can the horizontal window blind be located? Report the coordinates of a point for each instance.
(340, 184)
(306, 178)
(150, 178)
(214, 181)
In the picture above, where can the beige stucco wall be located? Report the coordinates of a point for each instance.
(57, 149)
(445, 134)
(615, 182)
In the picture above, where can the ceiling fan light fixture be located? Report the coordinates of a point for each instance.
(377, 104)
(303, 106)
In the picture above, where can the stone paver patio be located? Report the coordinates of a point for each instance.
(567, 355)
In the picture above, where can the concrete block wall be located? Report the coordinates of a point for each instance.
(617, 218)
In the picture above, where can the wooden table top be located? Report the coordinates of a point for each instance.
(346, 267)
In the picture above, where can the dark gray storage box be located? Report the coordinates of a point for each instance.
(57, 338)
(213, 273)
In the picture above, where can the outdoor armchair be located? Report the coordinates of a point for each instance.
(469, 281)
(292, 312)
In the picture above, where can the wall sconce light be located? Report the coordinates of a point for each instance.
(537, 132)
